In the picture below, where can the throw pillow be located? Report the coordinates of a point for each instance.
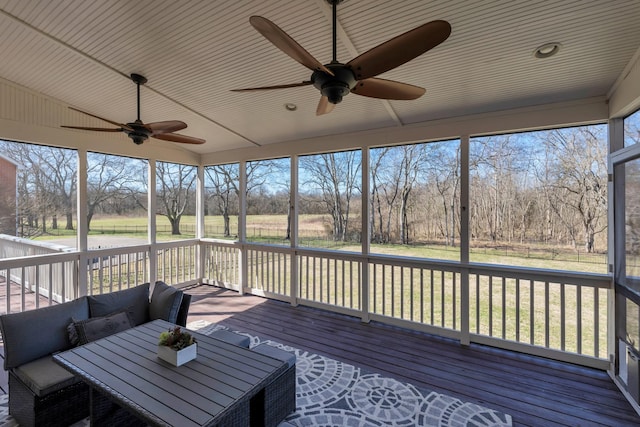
(165, 302)
(135, 299)
(100, 327)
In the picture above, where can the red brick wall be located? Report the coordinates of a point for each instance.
(8, 172)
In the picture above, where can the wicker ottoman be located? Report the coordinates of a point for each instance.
(280, 395)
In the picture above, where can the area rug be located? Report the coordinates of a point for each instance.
(333, 393)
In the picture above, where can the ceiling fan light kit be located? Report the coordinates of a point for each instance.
(336, 80)
(138, 131)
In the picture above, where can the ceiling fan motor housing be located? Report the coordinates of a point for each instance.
(337, 86)
(140, 133)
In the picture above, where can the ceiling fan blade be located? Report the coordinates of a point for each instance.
(285, 43)
(400, 49)
(94, 129)
(387, 89)
(165, 127)
(120, 125)
(304, 83)
(324, 106)
(174, 137)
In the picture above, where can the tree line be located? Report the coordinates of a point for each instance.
(542, 187)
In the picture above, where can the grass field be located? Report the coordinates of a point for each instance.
(272, 229)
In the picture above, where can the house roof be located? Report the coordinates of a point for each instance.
(193, 53)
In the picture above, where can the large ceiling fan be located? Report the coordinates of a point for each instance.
(335, 80)
(139, 131)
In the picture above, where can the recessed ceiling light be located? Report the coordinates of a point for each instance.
(289, 106)
(547, 50)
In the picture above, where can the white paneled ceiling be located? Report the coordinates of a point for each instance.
(194, 52)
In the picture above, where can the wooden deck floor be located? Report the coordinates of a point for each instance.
(534, 391)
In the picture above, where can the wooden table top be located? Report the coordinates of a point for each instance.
(125, 366)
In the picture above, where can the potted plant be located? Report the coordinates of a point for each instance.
(176, 346)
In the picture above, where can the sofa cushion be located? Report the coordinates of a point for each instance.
(231, 338)
(183, 312)
(99, 327)
(276, 353)
(44, 376)
(135, 300)
(33, 334)
(165, 302)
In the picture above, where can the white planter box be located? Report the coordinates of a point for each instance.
(177, 358)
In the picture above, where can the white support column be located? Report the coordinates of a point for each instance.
(83, 226)
(365, 237)
(151, 218)
(464, 240)
(200, 201)
(293, 218)
(615, 212)
(242, 228)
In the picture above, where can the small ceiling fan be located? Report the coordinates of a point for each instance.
(335, 80)
(139, 131)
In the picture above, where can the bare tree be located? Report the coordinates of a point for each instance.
(578, 178)
(108, 178)
(336, 178)
(222, 188)
(175, 184)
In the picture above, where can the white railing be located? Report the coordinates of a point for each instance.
(50, 278)
(561, 311)
(42, 279)
(557, 314)
(422, 292)
(221, 263)
(269, 271)
(178, 262)
(114, 269)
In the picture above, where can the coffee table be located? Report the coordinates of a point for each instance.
(224, 385)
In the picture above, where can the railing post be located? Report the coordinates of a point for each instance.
(200, 233)
(465, 336)
(151, 212)
(242, 229)
(80, 278)
(293, 237)
(364, 237)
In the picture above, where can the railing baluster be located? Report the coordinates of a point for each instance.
(442, 299)
(504, 307)
(546, 313)
(579, 319)
(477, 303)
(532, 313)
(562, 318)
(432, 303)
(518, 309)
(596, 321)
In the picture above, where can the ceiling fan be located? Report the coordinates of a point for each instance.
(335, 80)
(139, 131)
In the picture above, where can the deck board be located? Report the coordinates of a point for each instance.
(535, 391)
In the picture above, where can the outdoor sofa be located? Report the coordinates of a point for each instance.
(41, 392)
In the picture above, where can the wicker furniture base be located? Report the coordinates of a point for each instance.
(59, 408)
(106, 412)
(280, 398)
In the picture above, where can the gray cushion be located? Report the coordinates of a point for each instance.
(165, 303)
(231, 338)
(99, 327)
(33, 334)
(276, 353)
(183, 312)
(135, 300)
(44, 376)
